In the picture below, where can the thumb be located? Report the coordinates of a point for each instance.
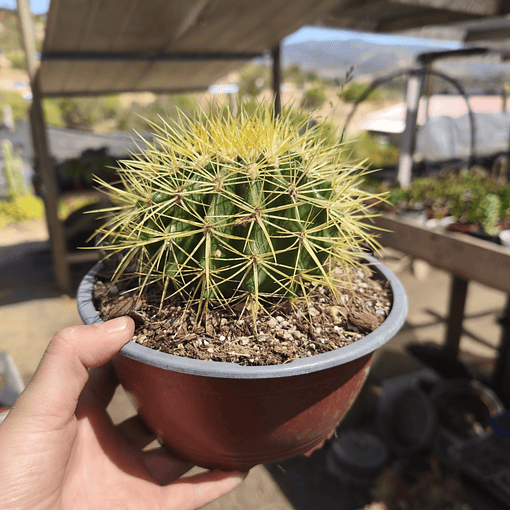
(63, 371)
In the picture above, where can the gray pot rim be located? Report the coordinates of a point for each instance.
(388, 329)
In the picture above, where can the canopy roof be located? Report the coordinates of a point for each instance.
(104, 46)
(99, 46)
(399, 15)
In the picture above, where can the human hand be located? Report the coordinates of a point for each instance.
(60, 449)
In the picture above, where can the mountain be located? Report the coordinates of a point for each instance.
(332, 59)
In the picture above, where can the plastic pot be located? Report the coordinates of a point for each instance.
(356, 457)
(227, 416)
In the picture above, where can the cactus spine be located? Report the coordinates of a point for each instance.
(225, 208)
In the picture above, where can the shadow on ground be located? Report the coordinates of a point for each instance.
(306, 482)
(307, 485)
(26, 273)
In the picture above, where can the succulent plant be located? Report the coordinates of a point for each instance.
(490, 206)
(225, 208)
(13, 173)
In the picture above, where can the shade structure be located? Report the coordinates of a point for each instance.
(107, 46)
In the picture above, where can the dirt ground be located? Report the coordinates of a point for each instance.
(32, 311)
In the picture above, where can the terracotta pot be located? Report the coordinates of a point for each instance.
(227, 416)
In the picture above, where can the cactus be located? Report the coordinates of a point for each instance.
(16, 186)
(490, 207)
(222, 208)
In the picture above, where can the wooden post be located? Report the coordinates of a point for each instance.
(428, 88)
(43, 162)
(405, 163)
(458, 294)
(277, 78)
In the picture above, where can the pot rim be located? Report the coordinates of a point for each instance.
(365, 346)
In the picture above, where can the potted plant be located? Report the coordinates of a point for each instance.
(245, 235)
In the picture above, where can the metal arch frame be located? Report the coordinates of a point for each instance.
(407, 145)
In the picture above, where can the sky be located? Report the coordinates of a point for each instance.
(303, 34)
(328, 34)
(37, 6)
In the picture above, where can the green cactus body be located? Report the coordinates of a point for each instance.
(490, 206)
(13, 172)
(243, 208)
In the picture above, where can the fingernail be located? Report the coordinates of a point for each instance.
(114, 325)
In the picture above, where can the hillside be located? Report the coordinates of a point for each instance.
(13, 75)
(332, 59)
(10, 35)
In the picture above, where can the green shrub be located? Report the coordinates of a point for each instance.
(86, 112)
(294, 74)
(14, 99)
(504, 197)
(253, 79)
(27, 207)
(17, 59)
(368, 147)
(140, 117)
(52, 112)
(353, 91)
(314, 98)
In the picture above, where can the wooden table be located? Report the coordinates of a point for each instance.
(466, 258)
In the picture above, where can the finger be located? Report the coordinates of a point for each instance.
(163, 466)
(63, 372)
(196, 491)
(136, 432)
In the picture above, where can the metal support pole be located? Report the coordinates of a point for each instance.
(405, 164)
(277, 78)
(428, 87)
(43, 162)
(458, 294)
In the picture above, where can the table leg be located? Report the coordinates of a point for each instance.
(458, 293)
(501, 376)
